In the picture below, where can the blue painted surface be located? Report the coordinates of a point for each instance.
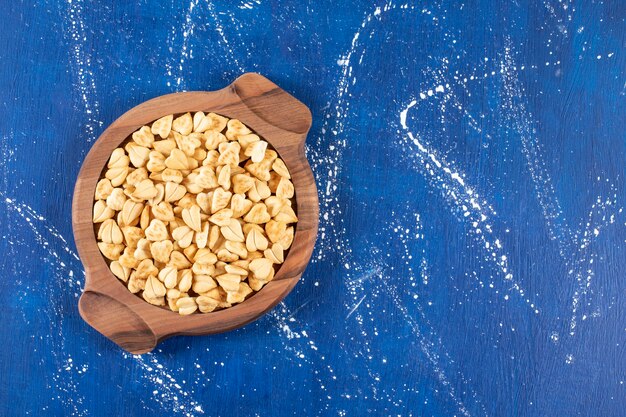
(470, 160)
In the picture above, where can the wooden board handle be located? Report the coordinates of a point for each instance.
(272, 104)
(117, 321)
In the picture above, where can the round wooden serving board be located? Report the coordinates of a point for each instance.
(106, 304)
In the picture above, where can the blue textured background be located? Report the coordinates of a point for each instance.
(470, 160)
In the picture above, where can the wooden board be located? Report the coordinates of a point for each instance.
(128, 320)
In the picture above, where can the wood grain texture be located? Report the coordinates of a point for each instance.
(128, 320)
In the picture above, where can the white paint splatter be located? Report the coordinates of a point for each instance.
(332, 233)
(170, 392)
(228, 48)
(353, 309)
(80, 63)
(464, 200)
(180, 398)
(186, 51)
(574, 248)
